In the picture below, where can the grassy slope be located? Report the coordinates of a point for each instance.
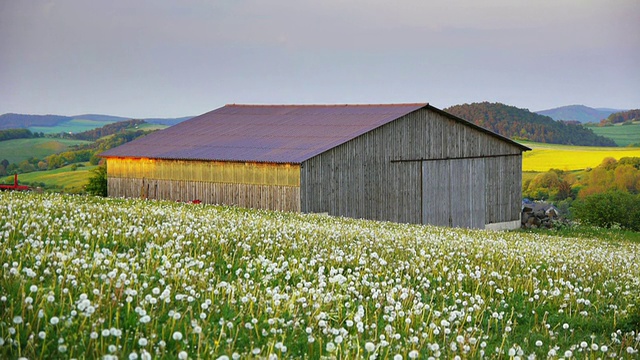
(18, 150)
(63, 179)
(547, 156)
(74, 126)
(623, 135)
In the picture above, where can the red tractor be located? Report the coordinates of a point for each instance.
(15, 185)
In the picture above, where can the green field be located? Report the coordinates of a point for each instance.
(568, 158)
(63, 179)
(72, 126)
(18, 150)
(623, 135)
(88, 277)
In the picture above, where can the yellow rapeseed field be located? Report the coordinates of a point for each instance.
(551, 156)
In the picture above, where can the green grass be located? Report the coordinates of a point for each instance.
(87, 277)
(569, 158)
(18, 150)
(74, 126)
(614, 236)
(63, 179)
(623, 135)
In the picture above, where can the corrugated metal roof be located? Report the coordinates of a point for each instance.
(265, 133)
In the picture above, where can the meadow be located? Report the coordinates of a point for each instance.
(569, 158)
(135, 279)
(623, 135)
(19, 150)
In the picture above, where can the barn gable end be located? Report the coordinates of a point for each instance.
(420, 168)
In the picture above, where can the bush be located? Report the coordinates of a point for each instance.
(609, 209)
(98, 182)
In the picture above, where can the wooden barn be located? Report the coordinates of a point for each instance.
(409, 163)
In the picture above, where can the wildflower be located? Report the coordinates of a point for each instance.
(143, 341)
(538, 343)
(331, 346)
(177, 336)
(182, 355)
(413, 354)
(33, 288)
(17, 320)
(568, 354)
(370, 347)
(397, 357)
(54, 320)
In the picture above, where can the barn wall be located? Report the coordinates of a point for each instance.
(379, 175)
(257, 185)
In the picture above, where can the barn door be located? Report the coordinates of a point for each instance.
(453, 193)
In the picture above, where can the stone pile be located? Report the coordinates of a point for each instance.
(538, 215)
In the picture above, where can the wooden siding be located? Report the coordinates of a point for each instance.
(256, 185)
(379, 175)
(503, 178)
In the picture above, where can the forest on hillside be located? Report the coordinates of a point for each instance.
(109, 129)
(621, 117)
(517, 123)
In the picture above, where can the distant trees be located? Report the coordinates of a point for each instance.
(11, 134)
(107, 130)
(522, 124)
(621, 117)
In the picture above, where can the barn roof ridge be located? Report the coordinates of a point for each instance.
(328, 105)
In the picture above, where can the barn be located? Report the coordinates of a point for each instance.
(408, 163)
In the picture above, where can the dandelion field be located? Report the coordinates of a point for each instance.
(132, 279)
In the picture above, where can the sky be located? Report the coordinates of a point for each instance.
(161, 58)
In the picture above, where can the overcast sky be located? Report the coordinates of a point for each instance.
(161, 58)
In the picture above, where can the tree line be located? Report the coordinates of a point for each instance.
(521, 124)
(11, 134)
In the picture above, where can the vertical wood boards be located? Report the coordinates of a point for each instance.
(453, 193)
(270, 197)
(380, 175)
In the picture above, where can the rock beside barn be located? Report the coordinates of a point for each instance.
(538, 215)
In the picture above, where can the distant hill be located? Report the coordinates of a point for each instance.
(167, 121)
(70, 123)
(22, 121)
(98, 117)
(516, 123)
(581, 113)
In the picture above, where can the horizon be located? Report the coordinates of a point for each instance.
(166, 59)
(77, 116)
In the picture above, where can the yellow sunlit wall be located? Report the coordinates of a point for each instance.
(206, 171)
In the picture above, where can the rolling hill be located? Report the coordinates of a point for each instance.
(54, 124)
(21, 121)
(522, 124)
(581, 113)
